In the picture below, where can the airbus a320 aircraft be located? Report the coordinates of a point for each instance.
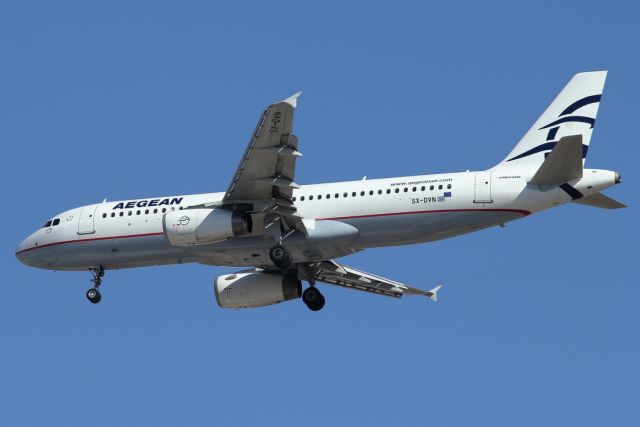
(289, 233)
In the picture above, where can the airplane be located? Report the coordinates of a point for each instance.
(287, 233)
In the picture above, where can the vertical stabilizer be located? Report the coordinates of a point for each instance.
(573, 112)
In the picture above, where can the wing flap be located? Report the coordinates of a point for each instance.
(334, 273)
(264, 180)
(269, 157)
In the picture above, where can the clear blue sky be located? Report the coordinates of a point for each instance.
(537, 323)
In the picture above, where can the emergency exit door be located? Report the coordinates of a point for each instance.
(483, 188)
(87, 218)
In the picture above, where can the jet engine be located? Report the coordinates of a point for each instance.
(201, 226)
(255, 288)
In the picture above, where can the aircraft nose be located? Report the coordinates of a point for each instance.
(25, 253)
(21, 251)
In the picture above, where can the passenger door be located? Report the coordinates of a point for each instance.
(483, 188)
(87, 218)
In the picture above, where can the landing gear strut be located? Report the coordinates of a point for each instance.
(280, 256)
(93, 294)
(313, 298)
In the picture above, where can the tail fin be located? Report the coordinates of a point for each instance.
(573, 112)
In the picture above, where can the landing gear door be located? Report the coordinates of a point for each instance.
(87, 218)
(483, 188)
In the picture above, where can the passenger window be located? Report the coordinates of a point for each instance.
(319, 196)
(56, 221)
(397, 190)
(104, 215)
(379, 191)
(414, 189)
(345, 194)
(328, 196)
(155, 211)
(422, 188)
(449, 186)
(353, 194)
(113, 214)
(129, 213)
(406, 189)
(146, 211)
(164, 210)
(337, 195)
(431, 187)
(121, 213)
(440, 187)
(362, 193)
(388, 190)
(294, 198)
(137, 212)
(310, 197)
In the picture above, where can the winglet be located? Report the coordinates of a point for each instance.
(293, 99)
(433, 293)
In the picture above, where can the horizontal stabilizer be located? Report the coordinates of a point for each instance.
(563, 164)
(599, 200)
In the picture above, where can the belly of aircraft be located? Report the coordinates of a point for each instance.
(405, 229)
(357, 234)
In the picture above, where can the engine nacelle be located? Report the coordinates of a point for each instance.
(201, 226)
(254, 288)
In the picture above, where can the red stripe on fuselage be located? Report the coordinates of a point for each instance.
(520, 211)
(90, 240)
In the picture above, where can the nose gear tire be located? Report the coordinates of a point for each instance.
(93, 295)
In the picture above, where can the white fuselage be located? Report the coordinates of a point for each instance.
(342, 218)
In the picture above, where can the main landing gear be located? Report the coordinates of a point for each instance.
(280, 256)
(93, 294)
(313, 298)
(282, 259)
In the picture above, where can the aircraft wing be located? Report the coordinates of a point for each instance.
(336, 274)
(264, 177)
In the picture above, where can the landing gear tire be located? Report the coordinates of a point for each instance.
(313, 298)
(93, 295)
(280, 256)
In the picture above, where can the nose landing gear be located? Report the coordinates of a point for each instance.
(93, 294)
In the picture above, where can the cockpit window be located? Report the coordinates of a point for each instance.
(48, 224)
(56, 221)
